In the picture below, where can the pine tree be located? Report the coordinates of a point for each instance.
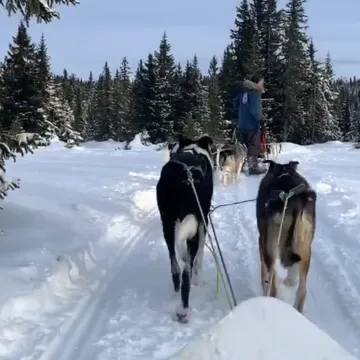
(80, 123)
(140, 92)
(295, 74)
(45, 84)
(245, 42)
(123, 112)
(321, 123)
(22, 104)
(43, 68)
(228, 82)
(273, 66)
(328, 67)
(87, 106)
(62, 116)
(103, 111)
(42, 10)
(148, 87)
(217, 124)
(164, 94)
(179, 106)
(194, 95)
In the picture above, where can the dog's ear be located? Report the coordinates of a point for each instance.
(205, 142)
(272, 165)
(293, 164)
(184, 141)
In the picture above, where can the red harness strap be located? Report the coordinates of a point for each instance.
(263, 141)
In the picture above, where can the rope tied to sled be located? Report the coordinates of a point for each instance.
(211, 247)
(284, 196)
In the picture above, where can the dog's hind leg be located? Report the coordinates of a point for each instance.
(182, 312)
(301, 292)
(198, 261)
(186, 242)
(169, 235)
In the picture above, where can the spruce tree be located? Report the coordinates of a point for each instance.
(179, 106)
(123, 111)
(245, 42)
(80, 123)
(140, 91)
(273, 66)
(217, 124)
(103, 111)
(229, 83)
(164, 94)
(295, 74)
(42, 10)
(194, 95)
(149, 80)
(22, 106)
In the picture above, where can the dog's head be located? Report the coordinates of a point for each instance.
(204, 145)
(282, 177)
(277, 169)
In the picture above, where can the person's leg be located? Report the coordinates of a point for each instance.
(243, 137)
(253, 153)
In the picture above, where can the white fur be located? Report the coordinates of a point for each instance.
(180, 310)
(184, 230)
(174, 149)
(198, 261)
(218, 158)
(199, 150)
(166, 155)
(274, 149)
(287, 281)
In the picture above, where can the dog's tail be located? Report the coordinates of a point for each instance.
(302, 228)
(184, 231)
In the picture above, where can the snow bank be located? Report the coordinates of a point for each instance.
(60, 236)
(263, 328)
(103, 145)
(294, 148)
(135, 144)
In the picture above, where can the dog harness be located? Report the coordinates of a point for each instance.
(189, 168)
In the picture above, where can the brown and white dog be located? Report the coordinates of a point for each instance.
(288, 256)
(230, 161)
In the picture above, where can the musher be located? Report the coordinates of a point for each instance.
(249, 108)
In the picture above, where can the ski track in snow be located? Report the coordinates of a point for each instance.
(89, 278)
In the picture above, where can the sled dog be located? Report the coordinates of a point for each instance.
(230, 162)
(288, 258)
(183, 226)
(273, 149)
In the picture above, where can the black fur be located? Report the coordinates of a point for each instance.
(176, 200)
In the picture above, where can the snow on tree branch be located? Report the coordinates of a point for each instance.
(41, 9)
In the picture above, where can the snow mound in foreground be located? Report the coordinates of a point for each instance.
(263, 328)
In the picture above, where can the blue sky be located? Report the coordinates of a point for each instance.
(96, 31)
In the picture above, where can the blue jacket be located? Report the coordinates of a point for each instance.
(248, 105)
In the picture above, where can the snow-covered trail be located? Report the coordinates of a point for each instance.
(93, 265)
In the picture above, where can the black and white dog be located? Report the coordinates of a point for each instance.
(183, 226)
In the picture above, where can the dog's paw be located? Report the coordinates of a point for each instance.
(181, 315)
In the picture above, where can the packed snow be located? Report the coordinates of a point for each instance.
(258, 325)
(85, 272)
